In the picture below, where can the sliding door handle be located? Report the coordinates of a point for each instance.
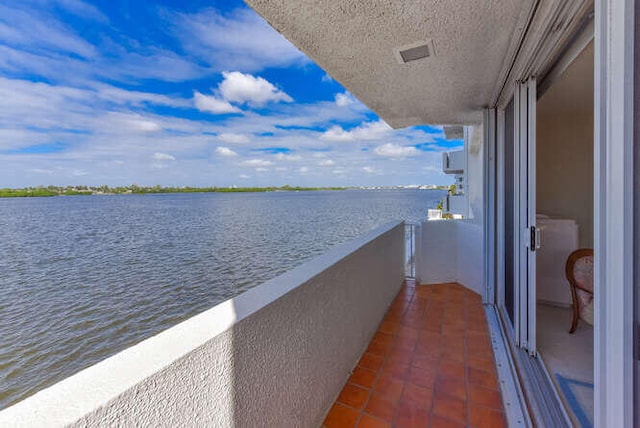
(535, 238)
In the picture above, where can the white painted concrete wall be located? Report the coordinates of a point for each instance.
(453, 250)
(475, 191)
(470, 231)
(277, 355)
(458, 205)
(437, 262)
(470, 255)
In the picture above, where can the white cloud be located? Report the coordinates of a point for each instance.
(432, 168)
(393, 150)
(244, 176)
(142, 125)
(344, 99)
(34, 29)
(366, 131)
(239, 88)
(234, 138)
(136, 98)
(41, 171)
(336, 133)
(257, 162)
(83, 10)
(79, 172)
(288, 157)
(262, 169)
(35, 39)
(163, 157)
(326, 162)
(151, 63)
(212, 104)
(112, 134)
(243, 88)
(225, 151)
(239, 40)
(126, 123)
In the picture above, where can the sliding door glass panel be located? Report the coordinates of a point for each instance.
(509, 213)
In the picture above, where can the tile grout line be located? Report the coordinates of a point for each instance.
(439, 360)
(466, 361)
(394, 420)
(404, 382)
(384, 359)
(415, 326)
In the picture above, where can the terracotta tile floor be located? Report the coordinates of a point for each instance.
(429, 365)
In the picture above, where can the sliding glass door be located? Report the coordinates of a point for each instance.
(525, 97)
(508, 164)
(517, 235)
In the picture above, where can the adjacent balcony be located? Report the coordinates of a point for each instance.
(342, 340)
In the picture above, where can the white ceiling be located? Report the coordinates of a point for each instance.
(354, 41)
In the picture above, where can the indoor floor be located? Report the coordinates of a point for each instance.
(569, 359)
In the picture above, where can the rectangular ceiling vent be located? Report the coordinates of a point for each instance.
(414, 52)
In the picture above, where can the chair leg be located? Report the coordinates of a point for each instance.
(576, 316)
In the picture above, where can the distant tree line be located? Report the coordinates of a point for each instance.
(135, 189)
(138, 190)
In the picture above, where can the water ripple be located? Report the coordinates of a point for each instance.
(85, 277)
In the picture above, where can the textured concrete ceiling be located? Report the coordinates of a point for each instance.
(354, 41)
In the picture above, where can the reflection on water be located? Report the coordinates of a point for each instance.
(84, 277)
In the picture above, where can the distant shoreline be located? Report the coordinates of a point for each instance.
(41, 191)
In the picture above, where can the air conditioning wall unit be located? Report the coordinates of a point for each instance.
(453, 162)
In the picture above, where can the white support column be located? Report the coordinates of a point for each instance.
(614, 73)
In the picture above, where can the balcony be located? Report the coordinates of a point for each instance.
(343, 327)
(429, 361)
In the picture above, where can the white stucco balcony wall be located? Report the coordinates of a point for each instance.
(453, 250)
(450, 251)
(277, 355)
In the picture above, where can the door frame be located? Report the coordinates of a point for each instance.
(523, 330)
(614, 211)
(614, 362)
(511, 329)
(526, 198)
(614, 246)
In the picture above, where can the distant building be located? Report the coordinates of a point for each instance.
(456, 203)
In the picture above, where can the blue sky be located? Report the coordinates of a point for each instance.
(184, 93)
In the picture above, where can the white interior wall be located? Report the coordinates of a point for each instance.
(565, 147)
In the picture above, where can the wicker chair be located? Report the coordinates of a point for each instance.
(579, 271)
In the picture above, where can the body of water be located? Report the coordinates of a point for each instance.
(84, 277)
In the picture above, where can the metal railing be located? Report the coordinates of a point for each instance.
(410, 250)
